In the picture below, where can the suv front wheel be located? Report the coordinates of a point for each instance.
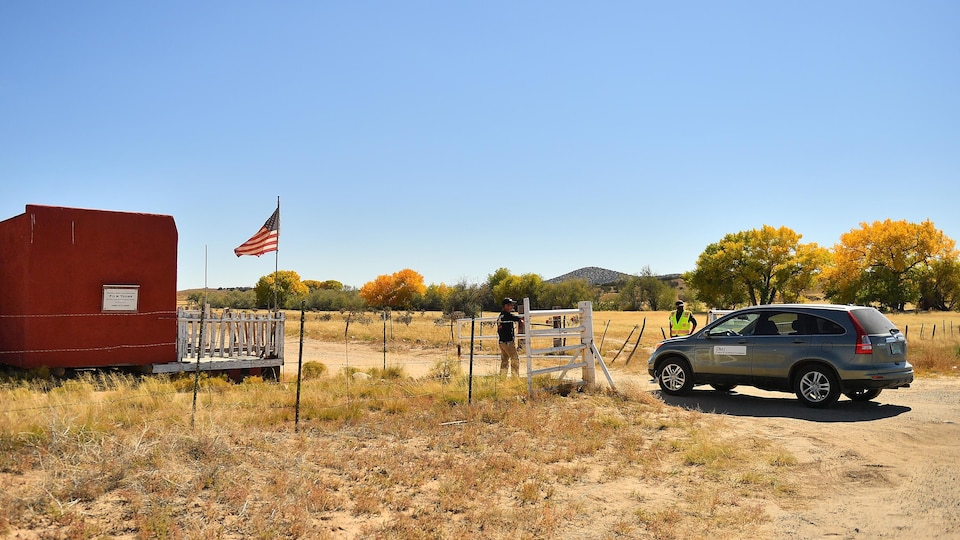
(675, 377)
(816, 386)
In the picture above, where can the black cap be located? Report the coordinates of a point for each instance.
(508, 300)
(679, 302)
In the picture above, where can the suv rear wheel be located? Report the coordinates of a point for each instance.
(675, 377)
(816, 386)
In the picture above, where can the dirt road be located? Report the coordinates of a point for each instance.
(883, 469)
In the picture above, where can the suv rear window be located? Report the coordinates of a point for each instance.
(873, 322)
(792, 323)
(826, 326)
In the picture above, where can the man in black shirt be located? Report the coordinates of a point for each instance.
(505, 332)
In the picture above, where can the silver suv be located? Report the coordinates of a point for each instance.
(815, 351)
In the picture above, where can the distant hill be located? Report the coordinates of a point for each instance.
(593, 275)
(602, 276)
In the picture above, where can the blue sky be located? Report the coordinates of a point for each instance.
(455, 138)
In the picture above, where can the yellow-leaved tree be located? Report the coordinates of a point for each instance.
(887, 262)
(396, 291)
(283, 286)
(757, 267)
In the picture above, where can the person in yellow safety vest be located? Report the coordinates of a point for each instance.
(682, 322)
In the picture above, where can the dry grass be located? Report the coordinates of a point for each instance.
(389, 456)
(934, 340)
(407, 458)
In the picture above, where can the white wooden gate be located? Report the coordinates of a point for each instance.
(546, 345)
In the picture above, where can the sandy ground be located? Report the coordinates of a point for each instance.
(883, 469)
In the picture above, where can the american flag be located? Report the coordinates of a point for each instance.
(265, 240)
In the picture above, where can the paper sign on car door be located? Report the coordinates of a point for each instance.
(730, 350)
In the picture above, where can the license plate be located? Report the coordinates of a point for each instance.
(896, 348)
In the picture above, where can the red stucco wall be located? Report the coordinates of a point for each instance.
(54, 263)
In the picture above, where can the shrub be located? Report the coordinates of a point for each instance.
(313, 370)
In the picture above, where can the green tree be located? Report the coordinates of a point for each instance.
(347, 299)
(712, 277)
(490, 300)
(645, 291)
(518, 288)
(331, 285)
(287, 287)
(433, 297)
(887, 262)
(756, 266)
(497, 276)
(244, 298)
(940, 285)
(566, 294)
(465, 298)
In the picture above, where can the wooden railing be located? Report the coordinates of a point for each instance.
(229, 335)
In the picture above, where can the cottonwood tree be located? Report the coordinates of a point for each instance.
(566, 294)
(757, 267)
(240, 298)
(645, 291)
(433, 297)
(286, 284)
(518, 288)
(940, 286)
(395, 291)
(466, 298)
(490, 301)
(887, 262)
(330, 284)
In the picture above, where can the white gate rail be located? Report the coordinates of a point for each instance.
(582, 354)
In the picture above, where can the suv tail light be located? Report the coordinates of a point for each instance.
(864, 346)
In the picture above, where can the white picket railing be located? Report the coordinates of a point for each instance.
(229, 335)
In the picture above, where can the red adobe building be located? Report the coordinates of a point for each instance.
(87, 288)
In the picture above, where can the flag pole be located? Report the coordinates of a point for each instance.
(276, 261)
(204, 302)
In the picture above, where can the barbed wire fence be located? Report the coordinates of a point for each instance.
(369, 393)
(364, 392)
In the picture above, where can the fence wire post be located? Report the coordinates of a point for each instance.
(196, 379)
(637, 344)
(296, 420)
(604, 336)
(473, 323)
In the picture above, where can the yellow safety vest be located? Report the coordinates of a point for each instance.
(681, 327)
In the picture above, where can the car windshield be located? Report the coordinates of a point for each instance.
(737, 325)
